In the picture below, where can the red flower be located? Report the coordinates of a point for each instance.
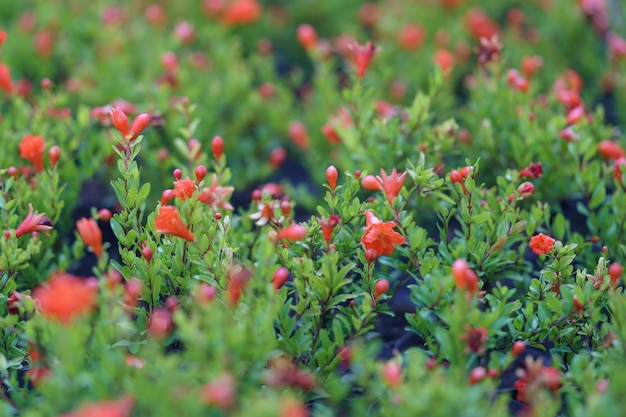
(5, 78)
(380, 236)
(392, 183)
(168, 221)
(66, 297)
(241, 12)
(34, 222)
(532, 171)
(91, 234)
(362, 56)
(541, 244)
(328, 225)
(31, 149)
(184, 188)
(610, 150)
(475, 339)
(121, 407)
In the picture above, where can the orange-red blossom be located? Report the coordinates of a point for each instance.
(31, 148)
(380, 236)
(66, 297)
(120, 122)
(169, 222)
(91, 234)
(541, 244)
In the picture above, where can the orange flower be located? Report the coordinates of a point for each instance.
(216, 196)
(241, 12)
(65, 297)
(34, 222)
(380, 236)
(168, 221)
(541, 244)
(91, 234)
(184, 188)
(31, 149)
(392, 183)
(121, 407)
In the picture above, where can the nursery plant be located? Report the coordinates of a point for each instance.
(246, 207)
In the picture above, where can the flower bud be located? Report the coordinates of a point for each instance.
(119, 121)
(526, 189)
(280, 277)
(200, 173)
(147, 254)
(54, 154)
(371, 183)
(331, 177)
(380, 288)
(307, 36)
(217, 146)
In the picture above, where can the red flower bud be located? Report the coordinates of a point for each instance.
(371, 183)
(331, 177)
(518, 348)
(119, 121)
(307, 36)
(371, 255)
(280, 277)
(139, 124)
(380, 288)
(477, 374)
(526, 189)
(205, 293)
(104, 215)
(200, 173)
(217, 146)
(294, 232)
(54, 154)
(392, 374)
(615, 272)
(147, 254)
(160, 323)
